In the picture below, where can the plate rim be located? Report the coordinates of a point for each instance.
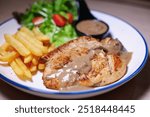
(101, 89)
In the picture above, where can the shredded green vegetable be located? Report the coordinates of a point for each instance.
(46, 9)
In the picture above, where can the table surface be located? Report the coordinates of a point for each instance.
(135, 12)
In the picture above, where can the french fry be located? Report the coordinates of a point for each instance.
(17, 69)
(34, 50)
(2, 52)
(35, 61)
(26, 30)
(14, 35)
(41, 66)
(39, 35)
(33, 68)
(8, 57)
(30, 35)
(22, 66)
(21, 49)
(51, 47)
(34, 43)
(28, 59)
(5, 46)
(44, 50)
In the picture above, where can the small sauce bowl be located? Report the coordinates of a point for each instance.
(92, 27)
(88, 25)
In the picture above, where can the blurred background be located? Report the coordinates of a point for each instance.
(136, 12)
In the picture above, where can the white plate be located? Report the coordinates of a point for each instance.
(130, 37)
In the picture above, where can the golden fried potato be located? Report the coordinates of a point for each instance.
(4, 46)
(9, 56)
(40, 36)
(51, 47)
(7, 47)
(2, 52)
(37, 45)
(31, 46)
(17, 69)
(21, 49)
(35, 61)
(24, 68)
(27, 31)
(28, 59)
(29, 34)
(33, 68)
(41, 66)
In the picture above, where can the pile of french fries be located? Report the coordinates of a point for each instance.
(23, 50)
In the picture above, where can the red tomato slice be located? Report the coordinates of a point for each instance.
(37, 20)
(59, 20)
(70, 17)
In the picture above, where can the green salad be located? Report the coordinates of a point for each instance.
(54, 18)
